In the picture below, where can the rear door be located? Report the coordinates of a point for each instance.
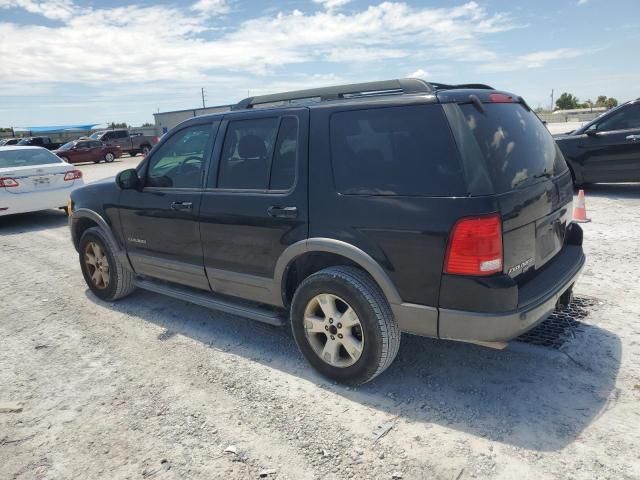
(160, 221)
(529, 177)
(612, 152)
(255, 204)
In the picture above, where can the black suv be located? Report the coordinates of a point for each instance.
(606, 149)
(352, 213)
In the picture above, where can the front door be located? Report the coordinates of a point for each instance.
(255, 205)
(612, 153)
(160, 220)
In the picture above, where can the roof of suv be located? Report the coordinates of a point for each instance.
(385, 91)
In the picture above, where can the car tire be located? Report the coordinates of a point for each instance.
(107, 277)
(109, 157)
(372, 335)
(145, 150)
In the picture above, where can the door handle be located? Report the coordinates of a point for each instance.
(181, 206)
(282, 212)
(633, 137)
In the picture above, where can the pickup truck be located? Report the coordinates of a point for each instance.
(44, 142)
(128, 143)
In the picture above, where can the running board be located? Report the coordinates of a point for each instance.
(242, 308)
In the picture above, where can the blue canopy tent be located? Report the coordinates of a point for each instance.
(52, 129)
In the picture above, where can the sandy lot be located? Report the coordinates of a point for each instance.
(154, 388)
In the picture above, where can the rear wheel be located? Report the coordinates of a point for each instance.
(105, 275)
(343, 325)
(109, 157)
(145, 150)
(133, 153)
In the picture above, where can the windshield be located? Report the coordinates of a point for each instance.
(24, 141)
(27, 158)
(517, 146)
(96, 136)
(67, 146)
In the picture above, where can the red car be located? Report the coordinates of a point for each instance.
(78, 151)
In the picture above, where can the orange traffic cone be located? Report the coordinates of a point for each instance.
(580, 212)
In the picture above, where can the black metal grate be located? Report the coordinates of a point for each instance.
(561, 325)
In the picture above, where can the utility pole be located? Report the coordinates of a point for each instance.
(552, 99)
(203, 105)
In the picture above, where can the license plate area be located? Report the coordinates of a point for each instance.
(40, 182)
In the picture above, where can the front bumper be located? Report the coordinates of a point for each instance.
(536, 300)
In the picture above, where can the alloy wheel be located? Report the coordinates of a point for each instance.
(97, 265)
(333, 330)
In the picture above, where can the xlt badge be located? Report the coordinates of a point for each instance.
(136, 240)
(521, 266)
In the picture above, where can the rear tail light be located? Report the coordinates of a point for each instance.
(475, 246)
(7, 182)
(500, 98)
(72, 175)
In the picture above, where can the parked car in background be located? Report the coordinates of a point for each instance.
(606, 149)
(44, 142)
(33, 178)
(349, 214)
(78, 151)
(131, 144)
(9, 141)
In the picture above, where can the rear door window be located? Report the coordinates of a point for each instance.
(246, 154)
(395, 151)
(517, 147)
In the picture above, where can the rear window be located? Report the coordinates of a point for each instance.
(27, 157)
(518, 148)
(395, 151)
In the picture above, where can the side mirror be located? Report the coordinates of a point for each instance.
(128, 179)
(592, 132)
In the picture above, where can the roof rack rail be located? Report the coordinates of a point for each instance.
(444, 86)
(385, 87)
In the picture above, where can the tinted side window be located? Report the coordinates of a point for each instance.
(179, 162)
(395, 151)
(95, 144)
(626, 118)
(285, 156)
(82, 145)
(246, 153)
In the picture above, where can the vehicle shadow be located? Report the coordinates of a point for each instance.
(528, 397)
(32, 222)
(613, 190)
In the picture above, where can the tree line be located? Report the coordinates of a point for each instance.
(567, 101)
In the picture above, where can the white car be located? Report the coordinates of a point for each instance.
(33, 178)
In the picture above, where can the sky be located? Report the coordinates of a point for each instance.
(78, 61)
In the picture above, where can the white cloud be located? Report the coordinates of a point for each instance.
(51, 9)
(160, 43)
(211, 7)
(582, 2)
(332, 4)
(420, 73)
(532, 60)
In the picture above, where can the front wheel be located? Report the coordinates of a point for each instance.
(105, 275)
(343, 325)
(109, 157)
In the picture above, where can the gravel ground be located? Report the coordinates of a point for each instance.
(149, 387)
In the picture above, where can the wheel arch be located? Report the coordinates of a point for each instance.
(306, 257)
(83, 219)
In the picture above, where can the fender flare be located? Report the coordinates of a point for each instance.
(343, 249)
(117, 249)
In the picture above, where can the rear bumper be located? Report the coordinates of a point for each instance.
(12, 203)
(536, 300)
